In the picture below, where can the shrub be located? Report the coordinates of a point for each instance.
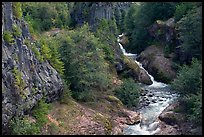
(190, 34)
(40, 111)
(19, 82)
(43, 16)
(80, 48)
(128, 93)
(16, 31)
(189, 78)
(22, 126)
(66, 96)
(194, 107)
(182, 9)
(188, 84)
(37, 53)
(45, 50)
(8, 37)
(17, 11)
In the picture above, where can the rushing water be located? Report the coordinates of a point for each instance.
(156, 98)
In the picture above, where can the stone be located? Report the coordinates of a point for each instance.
(154, 101)
(150, 95)
(168, 117)
(156, 64)
(28, 65)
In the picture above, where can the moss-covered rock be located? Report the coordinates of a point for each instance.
(132, 69)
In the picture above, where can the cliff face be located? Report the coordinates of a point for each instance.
(92, 12)
(25, 80)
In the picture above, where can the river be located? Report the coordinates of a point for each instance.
(152, 102)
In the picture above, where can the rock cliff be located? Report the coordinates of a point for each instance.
(25, 79)
(92, 12)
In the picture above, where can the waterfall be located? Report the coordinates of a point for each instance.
(150, 112)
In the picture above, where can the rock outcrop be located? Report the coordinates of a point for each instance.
(92, 12)
(164, 32)
(160, 67)
(25, 80)
(175, 123)
(128, 67)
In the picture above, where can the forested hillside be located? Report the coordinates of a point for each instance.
(64, 69)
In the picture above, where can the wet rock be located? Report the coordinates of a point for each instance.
(150, 95)
(143, 94)
(154, 101)
(156, 64)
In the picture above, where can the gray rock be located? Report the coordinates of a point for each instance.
(14, 103)
(154, 101)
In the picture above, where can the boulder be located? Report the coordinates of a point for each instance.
(132, 69)
(164, 32)
(156, 64)
(169, 118)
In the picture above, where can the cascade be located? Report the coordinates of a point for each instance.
(159, 99)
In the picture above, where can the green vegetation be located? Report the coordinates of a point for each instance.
(106, 31)
(190, 28)
(128, 93)
(27, 125)
(84, 56)
(189, 84)
(37, 53)
(40, 112)
(189, 79)
(45, 50)
(49, 50)
(140, 17)
(19, 82)
(17, 11)
(42, 16)
(16, 31)
(23, 126)
(182, 9)
(105, 121)
(80, 48)
(8, 37)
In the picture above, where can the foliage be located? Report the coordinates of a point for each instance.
(128, 93)
(182, 8)
(27, 42)
(81, 49)
(16, 31)
(189, 78)
(46, 15)
(140, 17)
(193, 105)
(45, 50)
(17, 11)
(66, 96)
(22, 126)
(190, 31)
(19, 82)
(106, 31)
(37, 53)
(40, 112)
(51, 49)
(189, 84)
(109, 54)
(105, 121)
(8, 37)
(25, 126)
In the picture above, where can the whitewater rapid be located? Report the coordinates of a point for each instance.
(161, 97)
